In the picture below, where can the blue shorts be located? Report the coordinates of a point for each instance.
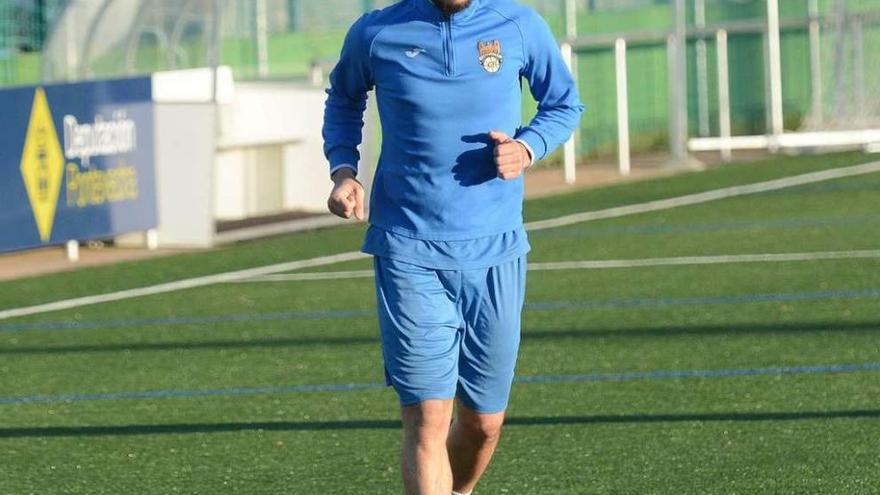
(450, 333)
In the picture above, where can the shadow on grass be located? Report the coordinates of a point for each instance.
(380, 424)
(528, 336)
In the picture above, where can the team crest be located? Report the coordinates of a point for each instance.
(490, 55)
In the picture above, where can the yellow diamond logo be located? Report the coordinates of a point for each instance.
(42, 165)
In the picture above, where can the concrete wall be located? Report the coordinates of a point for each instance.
(185, 144)
(270, 156)
(256, 151)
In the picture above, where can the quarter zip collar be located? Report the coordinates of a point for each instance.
(435, 14)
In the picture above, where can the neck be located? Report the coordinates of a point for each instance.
(450, 7)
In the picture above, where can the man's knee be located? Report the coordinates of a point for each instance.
(485, 428)
(428, 421)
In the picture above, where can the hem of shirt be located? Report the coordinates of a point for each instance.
(447, 236)
(454, 265)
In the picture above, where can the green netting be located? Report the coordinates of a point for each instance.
(24, 25)
(649, 101)
(141, 36)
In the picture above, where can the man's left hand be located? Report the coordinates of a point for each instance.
(511, 156)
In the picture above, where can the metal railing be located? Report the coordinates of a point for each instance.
(288, 39)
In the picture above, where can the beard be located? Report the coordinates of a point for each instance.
(450, 7)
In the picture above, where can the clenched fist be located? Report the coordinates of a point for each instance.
(347, 197)
(511, 156)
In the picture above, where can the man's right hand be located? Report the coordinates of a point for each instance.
(347, 197)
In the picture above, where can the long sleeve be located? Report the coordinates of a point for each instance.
(350, 82)
(551, 82)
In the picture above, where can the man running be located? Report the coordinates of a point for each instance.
(446, 228)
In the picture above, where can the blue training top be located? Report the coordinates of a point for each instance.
(442, 83)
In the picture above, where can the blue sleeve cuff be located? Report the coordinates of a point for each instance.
(342, 166)
(534, 142)
(530, 150)
(340, 157)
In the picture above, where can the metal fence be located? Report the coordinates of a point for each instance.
(299, 32)
(286, 39)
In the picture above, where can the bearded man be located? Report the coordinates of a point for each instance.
(446, 227)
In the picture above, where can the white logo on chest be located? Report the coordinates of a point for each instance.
(415, 52)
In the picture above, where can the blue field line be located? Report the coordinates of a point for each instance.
(701, 300)
(359, 313)
(699, 228)
(360, 387)
(187, 320)
(719, 373)
(171, 394)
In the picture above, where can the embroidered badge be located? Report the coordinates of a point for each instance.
(490, 55)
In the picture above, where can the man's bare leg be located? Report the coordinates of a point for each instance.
(425, 461)
(472, 441)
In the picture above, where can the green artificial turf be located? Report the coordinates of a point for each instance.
(767, 432)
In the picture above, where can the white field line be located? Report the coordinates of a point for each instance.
(650, 206)
(706, 260)
(608, 264)
(705, 197)
(189, 283)
(297, 277)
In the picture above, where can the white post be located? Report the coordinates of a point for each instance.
(622, 107)
(72, 248)
(214, 51)
(571, 32)
(672, 80)
(152, 239)
(316, 74)
(858, 51)
(570, 153)
(723, 94)
(70, 45)
(570, 18)
(678, 82)
(774, 55)
(702, 69)
(816, 62)
(262, 34)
